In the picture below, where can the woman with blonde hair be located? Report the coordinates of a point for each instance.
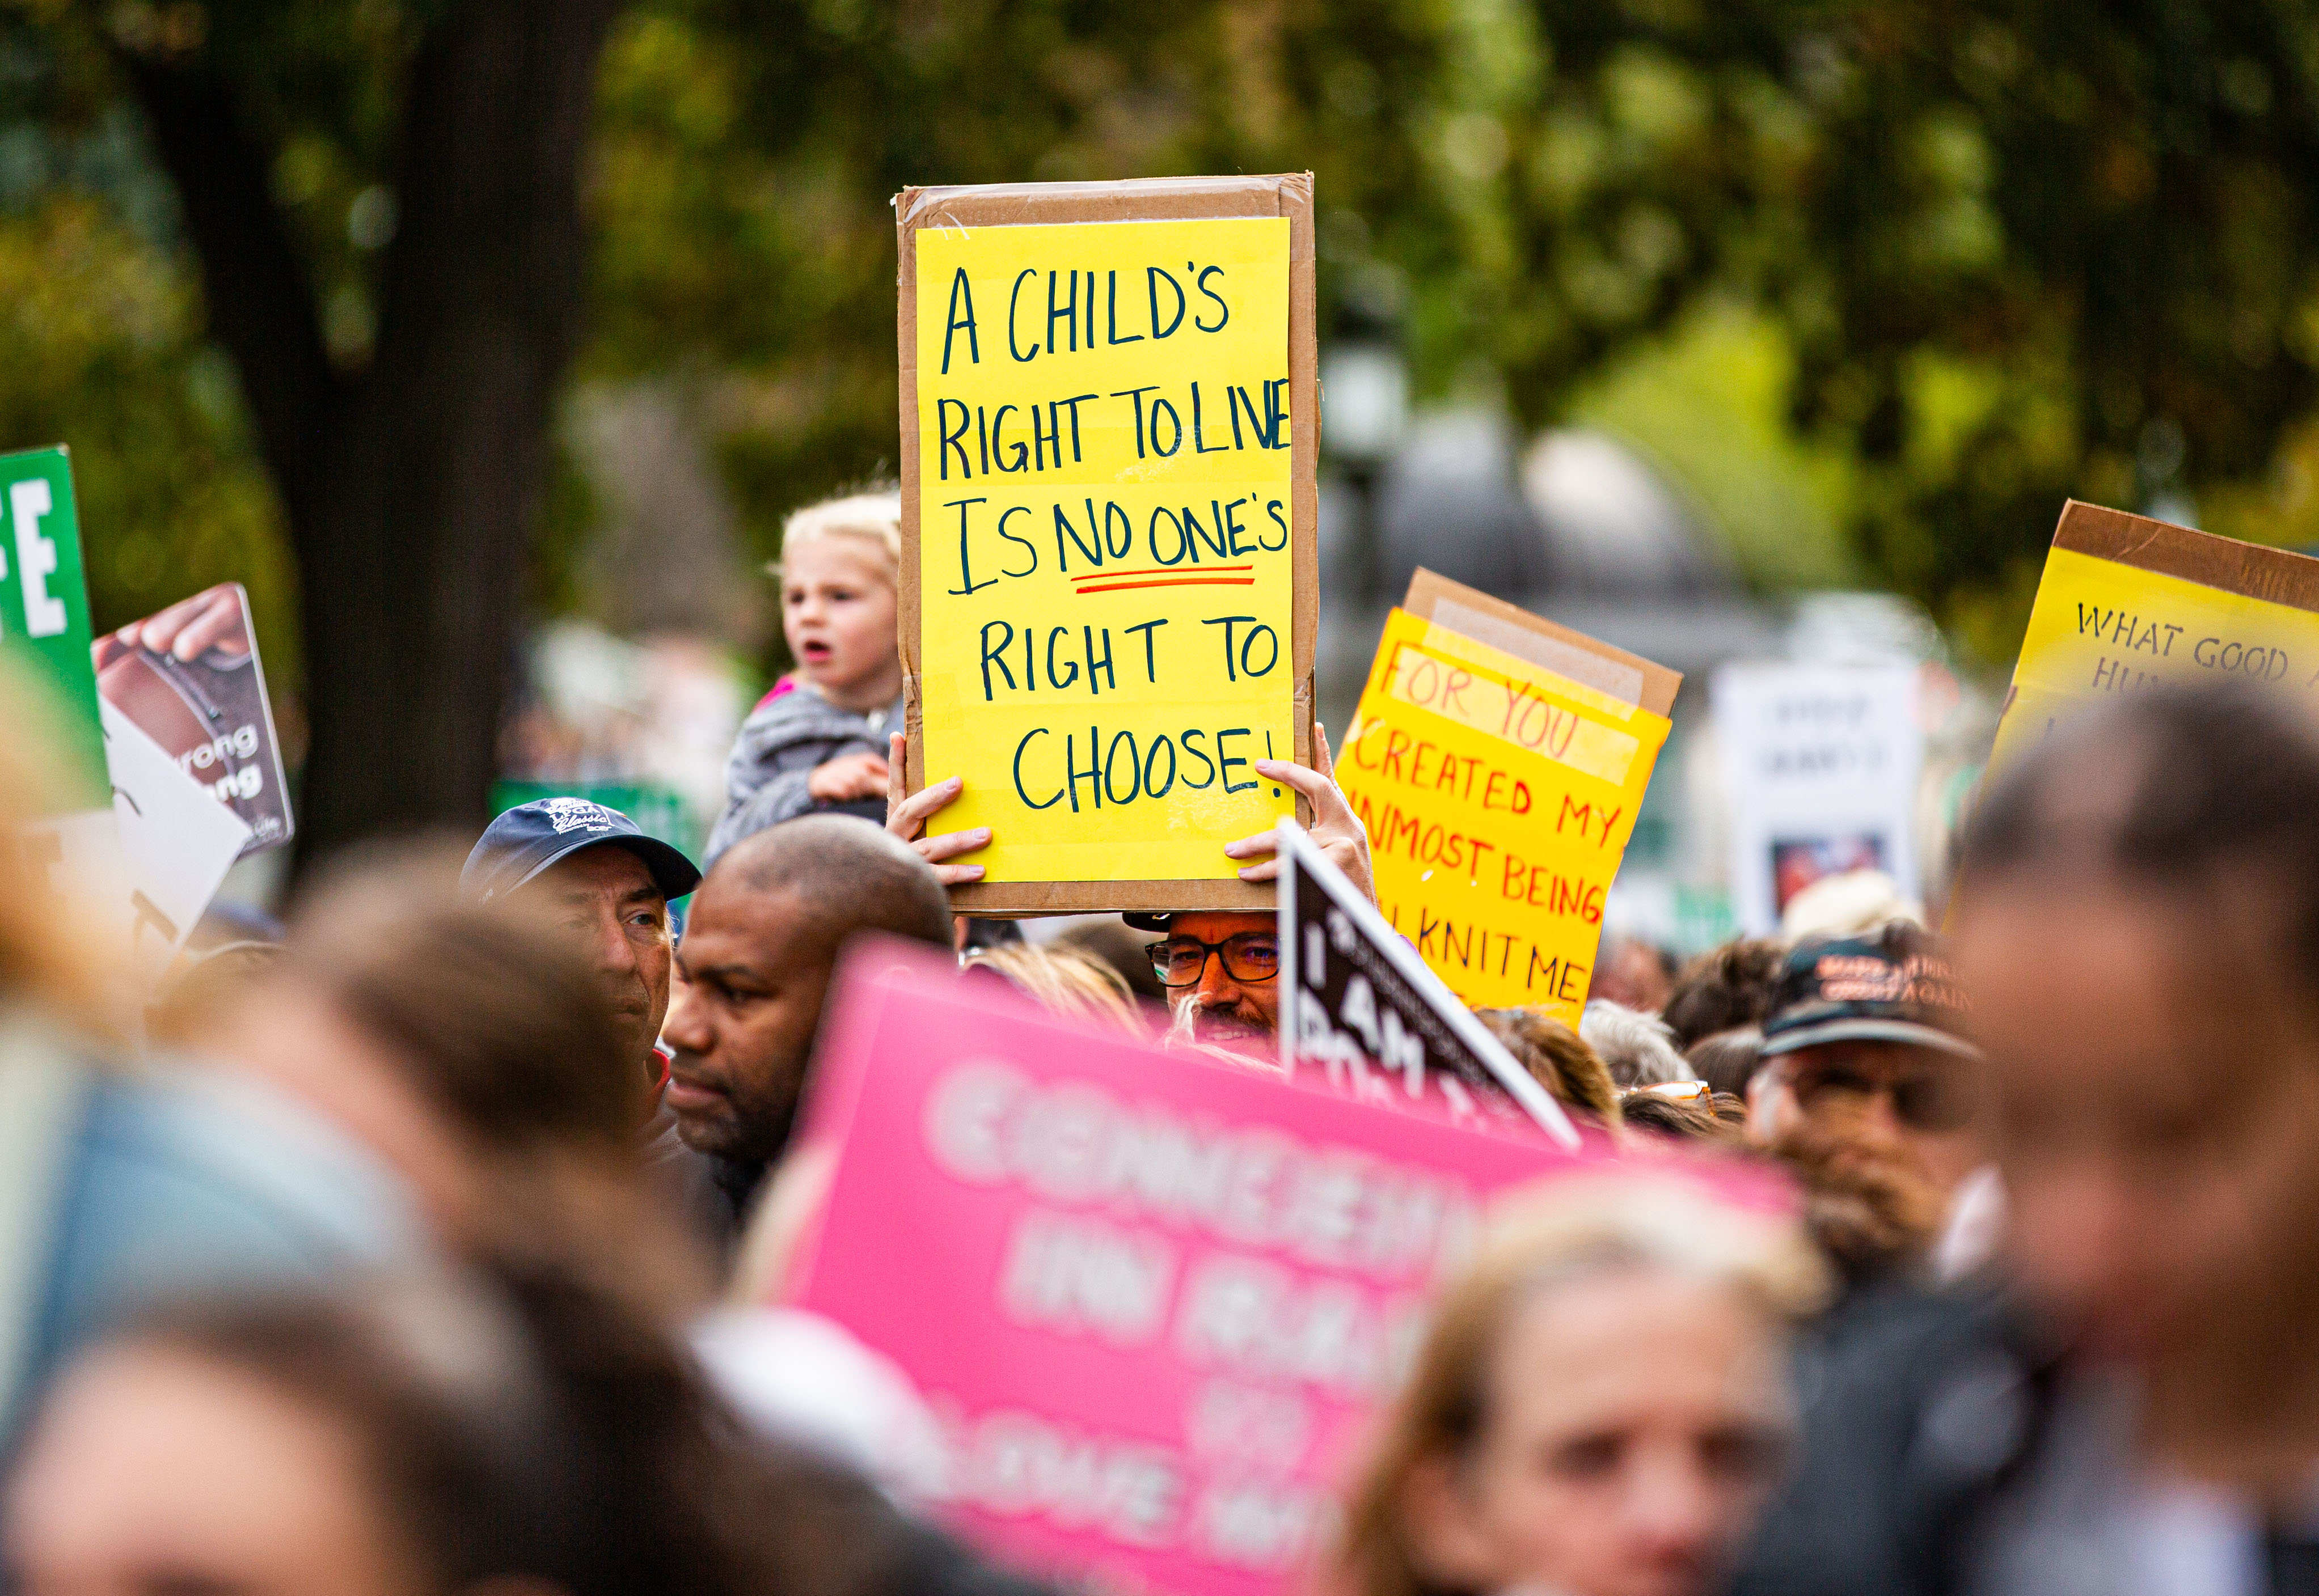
(1599, 1409)
(1065, 982)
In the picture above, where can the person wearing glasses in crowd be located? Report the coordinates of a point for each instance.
(1220, 966)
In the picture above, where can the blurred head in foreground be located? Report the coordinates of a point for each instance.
(2139, 928)
(468, 1044)
(1599, 1407)
(406, 1440)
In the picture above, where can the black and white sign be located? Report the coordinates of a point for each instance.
(1359, 1005)
(1819, 773)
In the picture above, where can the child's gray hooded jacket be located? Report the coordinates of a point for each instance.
(792, 730)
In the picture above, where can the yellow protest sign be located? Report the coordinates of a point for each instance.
(2126, 601)
(1106, 548)
(1499, 793)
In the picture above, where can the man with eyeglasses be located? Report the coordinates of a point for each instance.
(1221, 966)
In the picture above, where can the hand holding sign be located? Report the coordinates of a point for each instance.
(1336, 831)
(906, 814)
(212, 619)
(189, 676)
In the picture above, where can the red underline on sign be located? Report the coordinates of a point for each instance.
(1180, 582)
(1158, 571)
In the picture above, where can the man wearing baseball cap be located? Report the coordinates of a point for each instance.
(1914, 1382)
(1865, 1084)
(595, 872)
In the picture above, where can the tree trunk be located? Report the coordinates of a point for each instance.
(413, 491)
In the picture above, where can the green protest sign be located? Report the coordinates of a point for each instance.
(43, 595)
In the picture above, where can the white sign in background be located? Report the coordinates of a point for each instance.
(1819, 767)
(144, 870)
(177, 842)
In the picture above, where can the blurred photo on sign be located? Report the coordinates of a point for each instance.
(1498, 760)
(1151, 1299)
(1820, 765)
(1109, 580)
(1359, 1010)
(190, 678)
(1798, 862)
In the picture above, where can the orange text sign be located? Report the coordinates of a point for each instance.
(1499, 796)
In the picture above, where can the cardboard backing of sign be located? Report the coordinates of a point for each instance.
(1628, 677)
(1141, 200)
(2125, 600)
(1359, 1007)
(2274, 575)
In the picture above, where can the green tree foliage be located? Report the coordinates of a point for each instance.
(1517, 203)
(2018, 250)
(2049, 249)
(101, 347)
(2003, 253)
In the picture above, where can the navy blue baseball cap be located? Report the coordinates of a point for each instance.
(529, 837)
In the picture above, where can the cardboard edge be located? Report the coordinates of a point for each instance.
(1133, 198)
(2251, 570)
(1428, 588)
(907, 613)
(1295, 199)
(1142, 199)
(1013, 900)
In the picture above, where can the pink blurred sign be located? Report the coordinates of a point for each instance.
(1150, 1297)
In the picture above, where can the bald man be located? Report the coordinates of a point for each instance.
(753, 970)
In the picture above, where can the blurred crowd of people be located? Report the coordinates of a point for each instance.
(433, 1241)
